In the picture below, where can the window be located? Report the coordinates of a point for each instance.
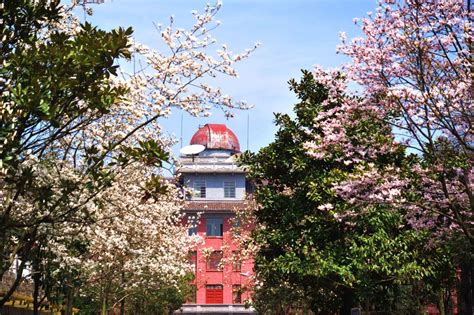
(214, 227)
(214, 294)
(199, 187)
(236, 262)
(229, 189)
(192, 259)
(214, 261)
(192, 223)
(236, 294)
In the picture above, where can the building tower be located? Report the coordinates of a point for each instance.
(218, 188)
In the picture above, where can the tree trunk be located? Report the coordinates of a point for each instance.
(347, 302)
(15, 284)
(122, 307)
(448, 302)
(36, 282)
(69, 300)
(103, 310)
(465, 295)
(122, 302)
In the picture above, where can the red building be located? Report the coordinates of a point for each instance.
(219, 188)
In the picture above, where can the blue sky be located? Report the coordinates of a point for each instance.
(296, 34)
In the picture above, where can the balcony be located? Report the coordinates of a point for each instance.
(208, 164)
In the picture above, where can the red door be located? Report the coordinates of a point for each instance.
(214, 294)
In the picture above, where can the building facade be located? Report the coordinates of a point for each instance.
(218, 188)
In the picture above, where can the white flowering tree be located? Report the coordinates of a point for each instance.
(82, 147)
(136, 243)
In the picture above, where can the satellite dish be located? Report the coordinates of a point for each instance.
(192, 149)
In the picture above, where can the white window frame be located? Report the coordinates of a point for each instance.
(198, 193)
(229, 191)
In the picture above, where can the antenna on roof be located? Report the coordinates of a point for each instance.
(248, 130)
(181, 138)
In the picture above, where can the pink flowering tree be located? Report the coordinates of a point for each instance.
(414, 69)
(415, 66)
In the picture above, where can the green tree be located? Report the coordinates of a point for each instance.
(329, 254)
(152, 300)
(53, 84)
(70, 127)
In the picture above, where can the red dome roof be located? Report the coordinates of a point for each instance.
(216, 136)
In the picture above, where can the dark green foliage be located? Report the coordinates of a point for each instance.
(159, 300)
(149, 152)
(58, 85)
(309, 258)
